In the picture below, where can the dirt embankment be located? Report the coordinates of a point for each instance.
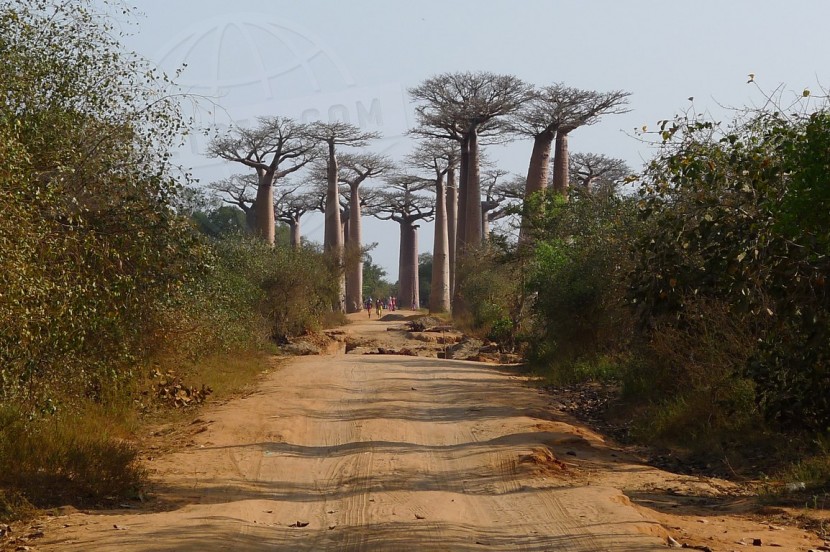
(408, 452)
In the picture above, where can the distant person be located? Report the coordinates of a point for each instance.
(379, 308)
(369, 307)
(392, 302)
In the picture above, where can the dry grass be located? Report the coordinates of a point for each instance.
(80, 457)
(228, 374)
(89, 456)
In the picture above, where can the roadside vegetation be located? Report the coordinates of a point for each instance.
(107, 283)
(698, 290)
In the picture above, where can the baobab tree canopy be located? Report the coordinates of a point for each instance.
(556, 110)
(275, 148)
(597, 172)
(462, 106)
(332, 135)
(238, 190)
(451, 105)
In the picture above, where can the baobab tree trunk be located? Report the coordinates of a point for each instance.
(485, 222)
(537, 171)
(439, 295)
(589, 183)
(461, 223)
(408, 266)
(413, 260)
(461, 226)
(452, 220)
(264, 212)
(354, 277)
(405, 265)
(473, 223)
(560, 164)
(294, 227)
(333, 239)
(537, 175)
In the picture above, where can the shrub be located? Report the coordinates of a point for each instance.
(721, 207)
(581, 257)
(491, 289)
(692, 377)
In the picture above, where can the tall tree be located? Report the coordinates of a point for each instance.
(547, 109)
(403, 201)
(452, 214)
(290, 205)
(597, 173)
(335, 134)
(275, 148)
(464, 107)
(438, 157)
(238, 190)
(593, 106)
(492, 198)
(355, 170)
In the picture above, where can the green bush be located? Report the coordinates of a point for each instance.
(90, 247)
(723, 211)
(491, 289)
(581, 257)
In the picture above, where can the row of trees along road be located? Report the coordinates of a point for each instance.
(457, 114)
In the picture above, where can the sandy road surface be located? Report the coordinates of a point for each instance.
(383, 453)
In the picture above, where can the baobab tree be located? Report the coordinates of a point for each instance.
(452, 210)
(290, 206)
(355, 169)
(335, 134)
(332, 135)
(493, 197)
(598, 173)
(540, 117)
(238, 190)
(275, 148)
(464, 107)
(593, 106)
(438, 157)
(402, 200)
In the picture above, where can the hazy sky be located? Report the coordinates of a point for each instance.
(355, 59)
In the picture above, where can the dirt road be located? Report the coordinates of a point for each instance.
(374, 452)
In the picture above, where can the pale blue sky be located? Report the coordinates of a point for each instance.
(362, 51)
